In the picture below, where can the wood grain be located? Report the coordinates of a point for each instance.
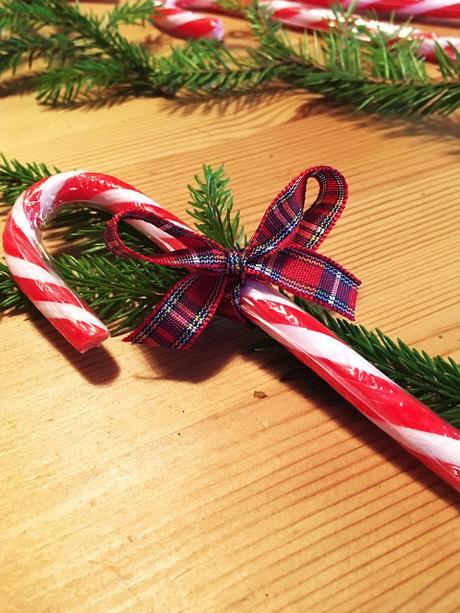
(140, 480)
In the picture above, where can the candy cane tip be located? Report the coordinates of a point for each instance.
(93, 343)
(77, 324)
(92, 340)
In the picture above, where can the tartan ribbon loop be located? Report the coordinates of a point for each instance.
(282, 252)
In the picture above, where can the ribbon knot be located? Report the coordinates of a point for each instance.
(282, 252)
(235, 262)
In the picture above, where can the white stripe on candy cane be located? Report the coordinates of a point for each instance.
(425, 6)
(114, 196)
(26, 270)
(122, 194)
(319, 345)
(327, 347)
(21, 219)
(442, 448)
(181, 17)
(62, 310)
(50, 189)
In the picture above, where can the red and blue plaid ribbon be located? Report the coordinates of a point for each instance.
(282, 252)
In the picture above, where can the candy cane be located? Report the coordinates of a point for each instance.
(432, 440)
(173, 19)
(182, 23)
(435, 9)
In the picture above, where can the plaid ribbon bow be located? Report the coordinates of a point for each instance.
(281, 252)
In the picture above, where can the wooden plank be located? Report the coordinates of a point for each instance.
(142, 480)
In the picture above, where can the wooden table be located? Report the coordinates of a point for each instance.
(142, 480)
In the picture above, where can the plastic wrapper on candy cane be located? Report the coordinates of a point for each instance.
(175, 18)
(424, 434)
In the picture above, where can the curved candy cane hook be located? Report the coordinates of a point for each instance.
(30, 264)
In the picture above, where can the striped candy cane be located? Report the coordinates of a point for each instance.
(435, 442)
(431, 9)
(174, 20)
(182, 23)
(30, 265)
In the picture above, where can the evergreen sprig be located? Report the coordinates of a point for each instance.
(86, 53)
(354, 66)
(211, 204)
(88, 57)
(123, 291)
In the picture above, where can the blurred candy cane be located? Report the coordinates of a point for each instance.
(182, 23)
(171, 18)
(433, 9)
(423, 433)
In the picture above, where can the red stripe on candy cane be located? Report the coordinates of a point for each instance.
(425, 435)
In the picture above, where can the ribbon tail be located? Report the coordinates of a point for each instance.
(311, 276)
(178, 320)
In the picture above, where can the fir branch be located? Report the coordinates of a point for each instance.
(30, 46)
(83, 78)
(12, 300)
(212, 208)
(101, 56)
(15, 177)
(206, 68)
(20, 15)
(85, 228)
(121, 291)
(89, 57)
(365, 73)
(133, 13)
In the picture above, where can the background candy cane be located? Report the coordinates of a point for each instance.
(435, 442)
(436, 9)
(173, 19)
(176, 19)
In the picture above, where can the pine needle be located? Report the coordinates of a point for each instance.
(15, 177)
(212, 208)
